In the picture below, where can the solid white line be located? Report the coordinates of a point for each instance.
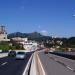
(41, 66)
(4, 63)
(27, 66)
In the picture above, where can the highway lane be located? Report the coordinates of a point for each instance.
(65, 61)
(53, 67)
(11, 66)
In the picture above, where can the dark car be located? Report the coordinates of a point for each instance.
(46, 51)
(12, 53)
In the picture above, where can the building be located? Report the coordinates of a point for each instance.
(30, 45)
(3, 34)
(27, 44)
(20, 40)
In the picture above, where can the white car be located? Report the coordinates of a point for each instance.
(20, 55)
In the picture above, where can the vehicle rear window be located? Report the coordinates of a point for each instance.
(12, 51)
(21, 53)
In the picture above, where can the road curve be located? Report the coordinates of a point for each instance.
(53, 67)
(11, 66)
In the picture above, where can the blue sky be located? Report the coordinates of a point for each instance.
(50, 17)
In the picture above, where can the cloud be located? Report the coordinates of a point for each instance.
(73, 15)
(44, 32)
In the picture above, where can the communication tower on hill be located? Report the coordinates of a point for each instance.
(2, 30)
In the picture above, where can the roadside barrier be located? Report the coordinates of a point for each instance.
(3, 55)
(36, 66)
(26, 71)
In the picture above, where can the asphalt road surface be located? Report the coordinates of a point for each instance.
(54, 67)
(11, 66)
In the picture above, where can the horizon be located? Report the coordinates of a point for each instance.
(48, 17)
(53, 36)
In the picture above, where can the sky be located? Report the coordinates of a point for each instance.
(49, 17)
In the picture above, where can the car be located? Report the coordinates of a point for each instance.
(12, 53)
(46, 50)
(20, 55)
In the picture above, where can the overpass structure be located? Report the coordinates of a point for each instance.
(45, 64)
(50, 64)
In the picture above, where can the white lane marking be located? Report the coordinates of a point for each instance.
(67, 66)
(4, 63)
(27, 66)
(70, 68)
(41, 66)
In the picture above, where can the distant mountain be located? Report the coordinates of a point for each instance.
(17, 34)
(23, 35)
(31, 36)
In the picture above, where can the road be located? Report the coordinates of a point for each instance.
(11, 66)
(52, 66)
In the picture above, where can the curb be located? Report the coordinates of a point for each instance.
(27, 66)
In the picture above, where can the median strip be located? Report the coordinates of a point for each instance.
(36, 66)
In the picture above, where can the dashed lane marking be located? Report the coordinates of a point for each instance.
(4, 63)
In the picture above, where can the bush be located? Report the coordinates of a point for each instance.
(4, 47)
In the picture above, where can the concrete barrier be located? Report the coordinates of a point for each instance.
(26, 71)
(42, 71)
(33, 70)
(36, 66)
(3, 55)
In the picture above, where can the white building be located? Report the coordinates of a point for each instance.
(30, 45)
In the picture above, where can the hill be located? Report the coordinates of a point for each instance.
(31, 36)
